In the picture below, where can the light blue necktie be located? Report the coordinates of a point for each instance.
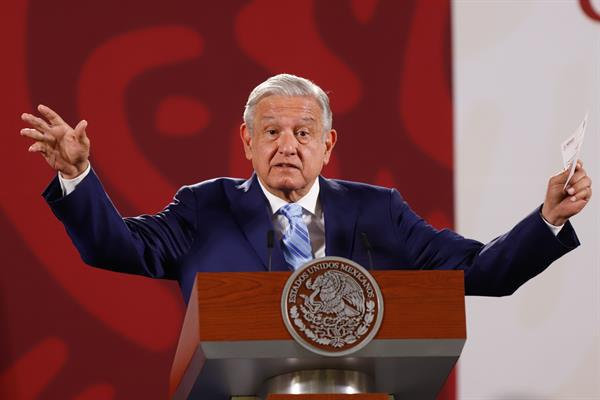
(296, 250)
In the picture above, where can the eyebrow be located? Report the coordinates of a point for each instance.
(269, 117)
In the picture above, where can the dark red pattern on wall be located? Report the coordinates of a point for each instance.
(589, 10)
(163, 89)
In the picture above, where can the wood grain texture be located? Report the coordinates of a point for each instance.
(188, 342)
(246, 306)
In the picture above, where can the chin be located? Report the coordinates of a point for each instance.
(287, 185)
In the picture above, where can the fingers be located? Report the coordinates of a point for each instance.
(80, 129)
(35, 122)
(561, 177)
(37, 135)
(561, 204)
(584, 194)
(579, 181)
(577, 176)
(37, 147)
(50, 115)
(582, 189)
(40, 124)
(574, 207)
(589, 194)
(577, 167)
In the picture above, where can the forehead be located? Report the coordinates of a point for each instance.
(303, 108)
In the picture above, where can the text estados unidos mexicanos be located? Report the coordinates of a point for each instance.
(364, 281)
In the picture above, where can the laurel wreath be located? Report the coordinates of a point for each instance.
(316, 333)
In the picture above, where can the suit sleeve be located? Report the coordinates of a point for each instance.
(497, 268)
(149, 245)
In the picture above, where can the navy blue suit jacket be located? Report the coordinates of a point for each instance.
(222, 224)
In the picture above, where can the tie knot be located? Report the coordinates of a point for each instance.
(292, 210)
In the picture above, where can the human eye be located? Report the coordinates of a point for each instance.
(270, 132)
(303, 135)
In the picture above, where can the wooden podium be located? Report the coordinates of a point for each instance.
(233, 341)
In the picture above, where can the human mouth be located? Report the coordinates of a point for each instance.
(285, 166)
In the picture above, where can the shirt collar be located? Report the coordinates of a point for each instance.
(308, 202)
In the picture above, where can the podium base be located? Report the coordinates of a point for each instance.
(317, 381)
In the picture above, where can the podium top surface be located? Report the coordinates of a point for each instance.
(246, 306)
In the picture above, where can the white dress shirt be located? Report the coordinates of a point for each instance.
(68, 185)
(312, 212)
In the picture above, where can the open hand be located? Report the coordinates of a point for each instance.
(67, 150)
(561, 204)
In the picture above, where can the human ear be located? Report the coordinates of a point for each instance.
(330, 141)
(246, 137)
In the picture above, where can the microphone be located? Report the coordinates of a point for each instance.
(368, 247)
(270, 244)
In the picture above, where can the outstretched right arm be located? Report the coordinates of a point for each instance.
(148, 245)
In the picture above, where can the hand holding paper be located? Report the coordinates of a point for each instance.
(570, 190)
(571, 148)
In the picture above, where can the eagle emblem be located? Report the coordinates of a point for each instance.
(332, 306)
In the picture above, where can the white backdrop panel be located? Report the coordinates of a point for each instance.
(525, 73)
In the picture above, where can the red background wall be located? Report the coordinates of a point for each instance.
(163, 89)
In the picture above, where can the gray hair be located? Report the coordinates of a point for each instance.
(290, 86)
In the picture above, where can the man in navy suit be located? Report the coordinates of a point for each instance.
(223, 224)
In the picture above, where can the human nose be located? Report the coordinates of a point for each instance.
(287, 143)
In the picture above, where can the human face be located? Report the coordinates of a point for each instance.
(287, 146)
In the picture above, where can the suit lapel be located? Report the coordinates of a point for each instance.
(340, 212)
(252, 213)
